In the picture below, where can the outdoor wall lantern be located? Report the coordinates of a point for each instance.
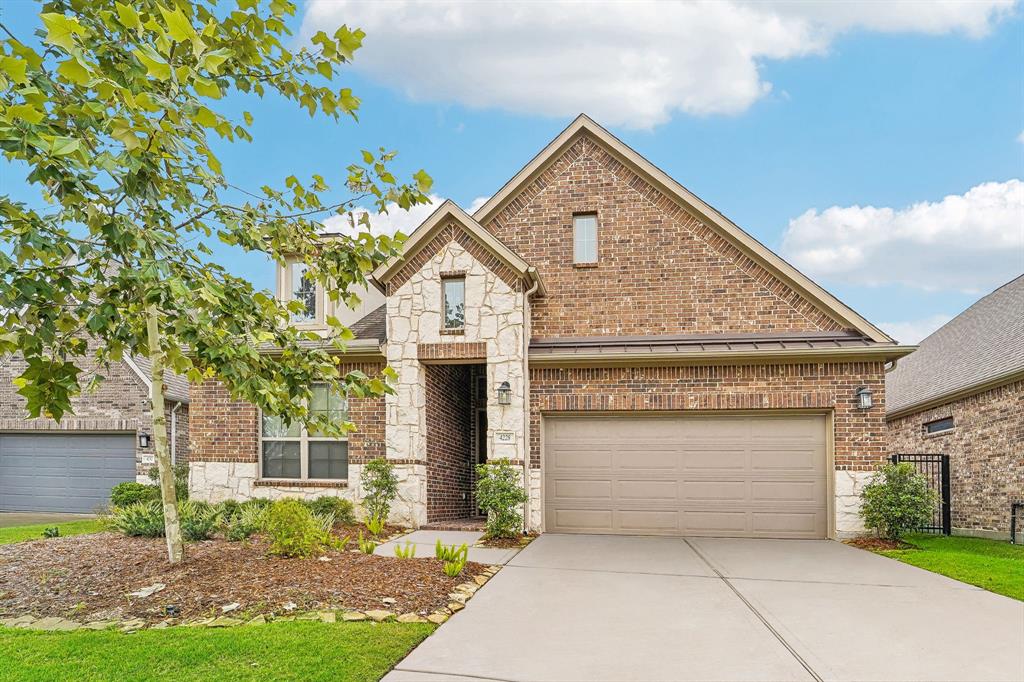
(143, 440)
(504, 394)
(864, 400)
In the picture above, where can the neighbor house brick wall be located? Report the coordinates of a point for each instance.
(449, 442)
(860, 436)
(659, 270)
(986, 453)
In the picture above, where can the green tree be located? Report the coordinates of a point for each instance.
(897, 500)
(114, 114)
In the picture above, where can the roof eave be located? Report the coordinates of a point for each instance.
(880, 353)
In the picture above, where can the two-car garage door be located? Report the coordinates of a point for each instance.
(734, 476)
(57, 472)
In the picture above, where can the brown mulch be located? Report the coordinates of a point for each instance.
(88, 576)
(521, 540)
(879, 544)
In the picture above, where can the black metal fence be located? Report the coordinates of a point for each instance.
(936, 469)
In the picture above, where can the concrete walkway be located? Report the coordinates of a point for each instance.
(11, 519)
(603, 608)
(426, 540)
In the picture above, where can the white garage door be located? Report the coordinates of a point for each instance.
(728, 476)
(55, 472)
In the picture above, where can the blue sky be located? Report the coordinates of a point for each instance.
(833, 111)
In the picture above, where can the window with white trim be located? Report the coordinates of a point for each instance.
(292, 452)
(584, 238)
(304, 291)
(454, 302)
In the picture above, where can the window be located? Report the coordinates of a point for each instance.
(454, 294)
(939, 425)
(584, 238)
(291, 452)
(303, 290)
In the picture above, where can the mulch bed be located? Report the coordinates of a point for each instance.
(879, 544)
(88, 577)
(520, 540)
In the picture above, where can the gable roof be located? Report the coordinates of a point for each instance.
(447, 212)
(175, 385)
(752, 248)
(981, 347)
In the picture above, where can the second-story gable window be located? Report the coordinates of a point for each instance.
(584, 238)
(453, 291)
(304, 291)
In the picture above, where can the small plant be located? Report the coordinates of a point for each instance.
(380, 487)
(246, 522)
(292, 530)
(375, 524)
(228, 508)
(499, 495)
(199, 520)
(142, 519)
(897, 500)
(324, 521)
(51, 532)
(407, 552)
(366, 545)
(450, 552)
(180, 473)
(452, 569)
(130, 492)
(344, 511)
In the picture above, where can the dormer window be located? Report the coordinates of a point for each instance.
(304, 291)
(584, 239)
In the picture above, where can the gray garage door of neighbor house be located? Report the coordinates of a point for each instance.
(57, 472)
(730, 476)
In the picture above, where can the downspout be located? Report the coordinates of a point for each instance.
(174, 432)
(526, 395)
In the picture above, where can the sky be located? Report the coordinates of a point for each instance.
(878, 147)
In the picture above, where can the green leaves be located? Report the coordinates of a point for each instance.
(61, 30)
(14, 69)
(62, 146)
(155, 65)
(128, 17)
(206, 87)
(179, 27)
(74, 71)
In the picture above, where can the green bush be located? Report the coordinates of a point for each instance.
(343, 510)
(897, 501)
(51, 532)
(142, 519)
(180, 472)
(228, 509)
(130, 492)
(198, 520)
(247, 520)
(380, 488)
(292, 530)
(499, 495)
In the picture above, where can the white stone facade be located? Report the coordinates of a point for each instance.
(849, 485)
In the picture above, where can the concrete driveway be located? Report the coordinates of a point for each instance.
(588, 607)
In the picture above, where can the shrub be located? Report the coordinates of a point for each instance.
(343, 510)
(324, 521)
(247, 520)
(180, 472)
(51, 532)
(229, 508)
(142, 519)
(380, 488)
(198, 520)
(498, 493)
(292, 529)
(130, 492)
(897, 501)
(375, 524)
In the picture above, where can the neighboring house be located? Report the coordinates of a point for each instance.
(71, 465)
(650, 367)
(962, 394)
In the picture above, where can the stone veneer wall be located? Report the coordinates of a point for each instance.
(449, 442)
(859, 435)
(986, 455)
(496, 312)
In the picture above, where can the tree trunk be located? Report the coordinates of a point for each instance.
(175, 550)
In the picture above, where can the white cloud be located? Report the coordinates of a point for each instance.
(970, 242)
(396, 219)
(913, 331)
(625, 63)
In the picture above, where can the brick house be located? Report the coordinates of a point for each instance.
(962, 394)
(648, 366)
(71, 465)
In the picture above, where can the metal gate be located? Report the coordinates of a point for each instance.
(936, 469)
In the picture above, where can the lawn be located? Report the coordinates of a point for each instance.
(276, 651)
(35, 532)
(993, 565)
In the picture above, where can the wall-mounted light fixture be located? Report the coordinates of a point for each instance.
(504, 394)
(143, 440)
(864, 400)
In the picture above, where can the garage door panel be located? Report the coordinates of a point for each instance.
(731, 476)
(63, 472)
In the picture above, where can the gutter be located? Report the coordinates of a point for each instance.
(526, 395)
(747, 357)
(174, 432)
(958, 394)
(355, 349)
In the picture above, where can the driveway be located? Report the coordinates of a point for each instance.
(590, 607)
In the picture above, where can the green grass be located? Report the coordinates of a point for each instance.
(276, 651)
(990, 564)
(35, 531)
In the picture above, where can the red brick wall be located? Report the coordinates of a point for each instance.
(860, 435)
(226, 430)
(449, 442)
(659, 269)
(986, 453)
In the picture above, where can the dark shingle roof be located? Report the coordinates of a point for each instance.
(372, 325)
(983, 343)
(175, 385)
